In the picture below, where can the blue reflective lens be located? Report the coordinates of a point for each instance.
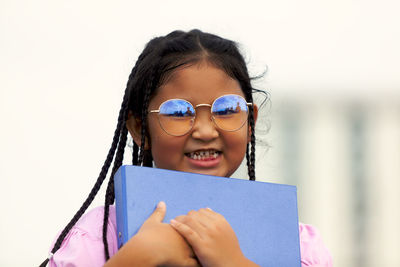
(229, 104)
(177, 108)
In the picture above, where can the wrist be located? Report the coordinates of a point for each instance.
(136, 252)
(249, 263)
(245, 262)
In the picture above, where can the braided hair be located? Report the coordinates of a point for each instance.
(160, 57)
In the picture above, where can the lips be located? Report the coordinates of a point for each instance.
(203, 155)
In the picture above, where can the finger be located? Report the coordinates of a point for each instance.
(180, 218)
(209, 213)
(188, 233)
(201, 217)
(192, 262)
(194, 221)
(159, 213)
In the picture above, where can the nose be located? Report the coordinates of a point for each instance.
(204, 128)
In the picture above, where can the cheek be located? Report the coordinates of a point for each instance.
(236, 145)
(166, 150)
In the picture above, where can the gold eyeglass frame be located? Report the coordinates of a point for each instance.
(201, 105)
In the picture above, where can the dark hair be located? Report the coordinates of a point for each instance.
(161, 56)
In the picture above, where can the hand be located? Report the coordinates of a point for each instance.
(156, 244)
(212, 238)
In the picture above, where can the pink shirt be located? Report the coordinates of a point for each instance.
(83, 245)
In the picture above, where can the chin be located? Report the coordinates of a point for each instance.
(210, 172)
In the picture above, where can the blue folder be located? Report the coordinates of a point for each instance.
(263, 215)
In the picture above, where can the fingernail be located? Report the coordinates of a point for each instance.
(208, 208)
(173, 222)
(161, 204)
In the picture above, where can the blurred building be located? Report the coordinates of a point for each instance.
(343, 155)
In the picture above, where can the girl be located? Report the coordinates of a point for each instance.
(188, 106)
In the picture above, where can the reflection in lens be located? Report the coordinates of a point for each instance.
(230, 112)
(176, 116)
(177, 108)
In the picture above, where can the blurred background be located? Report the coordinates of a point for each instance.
(331, 126)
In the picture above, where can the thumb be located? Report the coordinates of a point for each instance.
(159, 213)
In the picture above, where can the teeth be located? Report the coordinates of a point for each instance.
(202, 155)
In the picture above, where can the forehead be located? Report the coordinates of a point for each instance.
(200, 83)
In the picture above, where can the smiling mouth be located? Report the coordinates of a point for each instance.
(203, 154)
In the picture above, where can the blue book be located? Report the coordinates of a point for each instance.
(263, 215)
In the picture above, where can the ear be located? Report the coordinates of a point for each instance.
(255, 115)
(134, 126)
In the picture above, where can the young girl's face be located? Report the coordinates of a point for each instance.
(198, 84)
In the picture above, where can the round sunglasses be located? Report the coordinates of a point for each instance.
(177, 116)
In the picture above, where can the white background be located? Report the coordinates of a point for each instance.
(64, 66)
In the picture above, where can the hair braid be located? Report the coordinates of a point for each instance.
(110, 195)
(135, 150)
(144, 125)
(105, 167)
(252, 157)
(135, 154)
(109, 198)
(248, 159)
(147, 159)
(95, 188)
(250, 153)
(149, 88)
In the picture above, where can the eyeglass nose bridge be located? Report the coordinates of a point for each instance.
(204, 105)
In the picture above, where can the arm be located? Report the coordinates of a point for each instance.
(156, 244)
(133, 253)
(212, 238)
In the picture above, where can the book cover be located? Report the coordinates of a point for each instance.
(263, 215)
